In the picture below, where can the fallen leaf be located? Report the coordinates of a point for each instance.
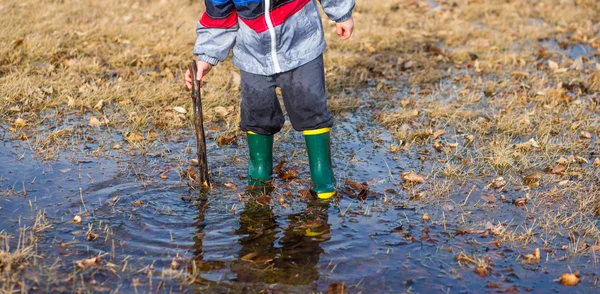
(19, 123)
(597, 161)
(519, 74)
(337, 288)
(552, 65)
(91, 236)
(249, 256)
(152, 135)
(481, 270)
(175, 265)
(116, 146)
(498, 183)
(520, 202)
(227, 141)
(412, 177)
(569, 279)
(481, 42)
(87, 263)
(585, 135)
(533, 180)
(77, 219)
(230, 186)
(94, 122)
(558, 169)
(179, 109)
(99, 105)
(577, 64)
(134, 137)
(438, 133)
(221, 111)
(69, 62)
(426, 217)
(490, 198)
(370, 48)
(136, 203)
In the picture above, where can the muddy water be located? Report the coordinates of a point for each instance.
(160, 235)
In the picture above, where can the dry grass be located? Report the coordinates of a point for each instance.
(491, 74)
(14, 259)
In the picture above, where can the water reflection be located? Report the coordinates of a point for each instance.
(274, 249)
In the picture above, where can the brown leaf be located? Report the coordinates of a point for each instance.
(438, 133)
(91, 236)
(134, 137)
(569, 279)
(180, 109)
(558, 169)
(585, 135)
(152, 135)
(337, 288)
(87, 263)
(94, 122)
(356, 185)
(481, 270)
(426, 217)
(77, 219)
(136, 203)
(532, 180)
(19, 123)
(412, 177)
(498, 183)
(519, 74)
(227, 141)
(490, 198)
(249, 256)
(99, 105)
(520, 202)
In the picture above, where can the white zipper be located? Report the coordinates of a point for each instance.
(273, 37)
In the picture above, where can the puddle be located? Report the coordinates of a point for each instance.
(572, 51)
(155, 234)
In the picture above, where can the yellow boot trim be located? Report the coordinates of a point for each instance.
(316, 132)
(252, 133)
(311, 233)
(326, 195)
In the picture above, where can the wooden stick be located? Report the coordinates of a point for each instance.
(203, 177)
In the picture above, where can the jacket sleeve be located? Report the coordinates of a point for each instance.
(338, 10)
(216, 31)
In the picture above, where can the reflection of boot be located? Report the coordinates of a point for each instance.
(260, 165)
(319, 157)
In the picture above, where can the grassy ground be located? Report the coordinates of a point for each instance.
(494, 88)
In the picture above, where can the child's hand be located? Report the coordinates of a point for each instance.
(344, 29)
(203, 69)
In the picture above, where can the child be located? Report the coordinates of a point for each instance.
(276, 43)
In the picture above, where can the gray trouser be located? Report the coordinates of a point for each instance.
(303, 90)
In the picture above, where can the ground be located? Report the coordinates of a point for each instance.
(465, 151)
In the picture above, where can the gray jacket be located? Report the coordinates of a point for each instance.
(265, 41)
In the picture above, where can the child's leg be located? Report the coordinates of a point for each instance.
(261, 117)
(304, 97)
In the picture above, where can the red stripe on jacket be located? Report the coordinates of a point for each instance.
(224, 23)
(278, 16)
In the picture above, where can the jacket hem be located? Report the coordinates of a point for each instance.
(299, 61)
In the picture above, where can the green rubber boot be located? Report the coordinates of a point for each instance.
(319, 157)
(260, 165)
